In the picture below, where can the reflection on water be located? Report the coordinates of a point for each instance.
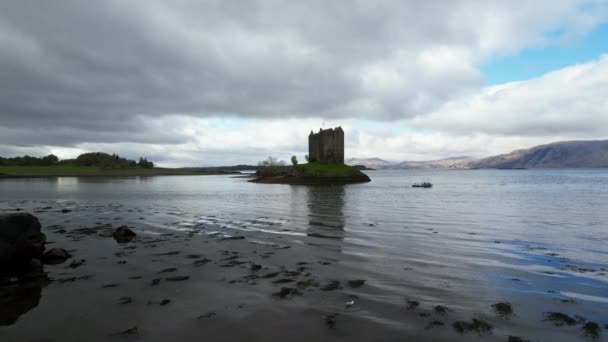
(18, 299)
(326, 211)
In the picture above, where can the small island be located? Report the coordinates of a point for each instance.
(325, 164)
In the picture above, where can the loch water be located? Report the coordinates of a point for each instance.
(537, 239)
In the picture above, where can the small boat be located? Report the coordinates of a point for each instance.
(422, 185)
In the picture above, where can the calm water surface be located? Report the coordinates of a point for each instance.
(535, 238)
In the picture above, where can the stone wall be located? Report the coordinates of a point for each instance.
(326, 146)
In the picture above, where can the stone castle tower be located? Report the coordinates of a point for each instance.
(327, 146)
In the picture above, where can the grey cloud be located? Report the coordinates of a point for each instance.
(76, 71)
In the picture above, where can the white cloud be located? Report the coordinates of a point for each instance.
(568, 102)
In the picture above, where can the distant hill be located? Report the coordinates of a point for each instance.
(448, 163)
(376, 163)
(564, 154)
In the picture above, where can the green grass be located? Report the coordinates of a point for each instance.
(325, 170)
(75, 169)
(49, 169)
(311, 170)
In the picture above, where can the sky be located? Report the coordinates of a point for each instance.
(208, 83)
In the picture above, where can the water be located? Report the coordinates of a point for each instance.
(535, 238)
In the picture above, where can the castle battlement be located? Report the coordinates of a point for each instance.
(326, 146)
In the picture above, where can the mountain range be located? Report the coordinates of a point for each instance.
(563, 154)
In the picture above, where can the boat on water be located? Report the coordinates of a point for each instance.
(422, 185)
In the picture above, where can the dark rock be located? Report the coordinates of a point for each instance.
(559, 319)
(233, 238)
(76, 263)
(592, 330)
(155, 281)
(125, 300)
(168, 270)
(20, 297)
(207, 315)
(123, 234)
(201, 262)
(282, 281)
(441, 310)
(304, 284)
(130, 331)
(55, 256)
(356, 283)
(270, 275)
(20, 242)
(517, 339)
(165, 302)
(255, 267)
(65, 211)
(503, 309)
(285, 292)
(412, 304)
(331, 286)
(330, 320)
(177, 278)
(108, 286)
(433, 324)
(476, 325)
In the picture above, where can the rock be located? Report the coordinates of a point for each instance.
(330, 320)
(177, 278)
(412, 304)
(76, 263)
(356, 283)
(331, 286)
(165, 302)
(55, 256)
(286, 292)
(476, 325)
(20, 242)
(592, 330)
(559, 319)
(125, 300)
(130, 331)
(123, 234)
(207, 315)
(503, 309)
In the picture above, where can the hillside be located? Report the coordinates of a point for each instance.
(565, 154)
(376, 163)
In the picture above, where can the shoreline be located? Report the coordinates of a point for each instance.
(310, 180)
(115, 174)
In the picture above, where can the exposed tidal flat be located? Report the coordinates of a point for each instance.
(483, 255)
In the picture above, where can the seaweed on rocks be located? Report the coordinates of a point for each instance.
(503, 309)
(475, 325)
(559, 319)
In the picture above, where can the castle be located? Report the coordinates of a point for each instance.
(327, 146)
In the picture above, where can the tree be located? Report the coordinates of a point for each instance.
(145, 164)
(307, 158)
(271, 161)
(294, 160)
(51, 159)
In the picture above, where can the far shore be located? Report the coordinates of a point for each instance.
(33, 173)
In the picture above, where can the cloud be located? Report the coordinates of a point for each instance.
(202, 82)
(568, 102)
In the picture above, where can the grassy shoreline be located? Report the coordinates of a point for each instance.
(311, 174)
(94, 171)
